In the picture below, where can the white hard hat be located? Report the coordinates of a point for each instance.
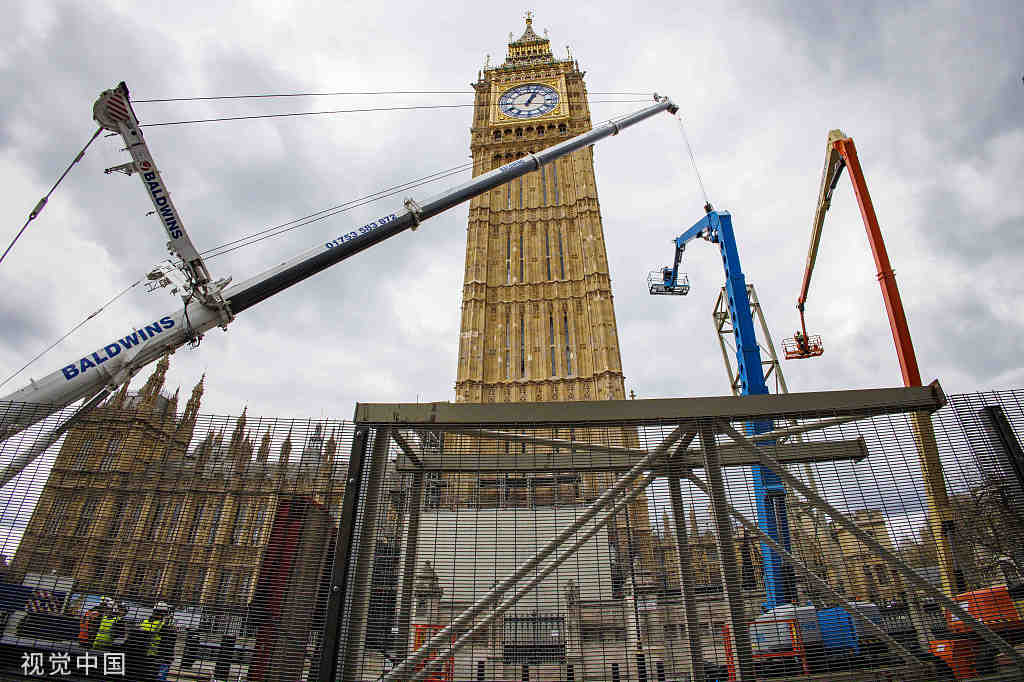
(162, 606)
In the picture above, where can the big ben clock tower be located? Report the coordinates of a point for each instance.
(537, 316)
(538, 323)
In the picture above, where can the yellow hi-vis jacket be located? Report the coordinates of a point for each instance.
(154, 627)
(105, 631)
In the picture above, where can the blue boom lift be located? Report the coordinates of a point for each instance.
(716, 227)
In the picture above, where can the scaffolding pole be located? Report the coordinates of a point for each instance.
(686, 588)
(727, 551)
(415, 502)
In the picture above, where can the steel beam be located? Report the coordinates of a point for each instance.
(410, 549)
(584, 446)
(334, 647)
(782, 432)
(525, 437)
(686, 588)
(908, 573)
(666, 410)
(940, 511)
(731, 455)
(727, 554)
(406, 447)
(719, 318)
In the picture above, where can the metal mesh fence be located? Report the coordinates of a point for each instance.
(652, 543)
(145, 538)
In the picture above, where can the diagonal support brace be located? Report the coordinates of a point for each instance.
(402, 671)
(521, 592)
(806, 572)
(908, 573)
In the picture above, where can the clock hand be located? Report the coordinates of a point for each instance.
(532, 95)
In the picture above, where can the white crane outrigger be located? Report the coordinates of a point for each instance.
(207, 304)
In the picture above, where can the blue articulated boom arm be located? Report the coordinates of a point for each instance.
(716, 227)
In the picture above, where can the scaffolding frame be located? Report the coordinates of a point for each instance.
(695, 419)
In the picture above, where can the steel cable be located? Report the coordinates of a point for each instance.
(42, 202)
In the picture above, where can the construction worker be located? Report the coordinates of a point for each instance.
(801, 342)
(110, 626)
(160, 641)
(87, 625)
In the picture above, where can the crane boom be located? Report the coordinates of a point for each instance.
(770, 494)
(113, 111)
(129, 351)
(840, 153)
(834, 165)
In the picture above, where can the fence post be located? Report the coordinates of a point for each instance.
(333, 647)
(358, 596)
(415, 501)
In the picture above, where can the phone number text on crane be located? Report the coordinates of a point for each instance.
(365, 229)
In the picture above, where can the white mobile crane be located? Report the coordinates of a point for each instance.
(208, 304)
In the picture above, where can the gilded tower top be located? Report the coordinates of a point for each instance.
(530, 47)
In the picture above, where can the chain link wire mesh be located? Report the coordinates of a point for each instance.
(285, 549)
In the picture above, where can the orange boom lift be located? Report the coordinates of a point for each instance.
(966, 652)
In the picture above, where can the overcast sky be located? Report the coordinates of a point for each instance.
(931, 92)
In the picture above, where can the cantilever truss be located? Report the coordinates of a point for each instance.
(723, 329)
(697, 434)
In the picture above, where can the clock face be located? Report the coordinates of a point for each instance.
(528, 101)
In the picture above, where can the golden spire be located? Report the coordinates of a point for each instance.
(122, 395)
(264, 451)
(192, 406)
(239, 433)
(286, 449)
(155, 382)
(330, 448)
(188, 416)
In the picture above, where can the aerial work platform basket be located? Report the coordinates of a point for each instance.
(660, 282)
(802, 346)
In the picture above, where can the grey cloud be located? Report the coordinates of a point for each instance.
(759, 98)
(22, 327)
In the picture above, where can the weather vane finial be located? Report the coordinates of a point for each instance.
(529, 17)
